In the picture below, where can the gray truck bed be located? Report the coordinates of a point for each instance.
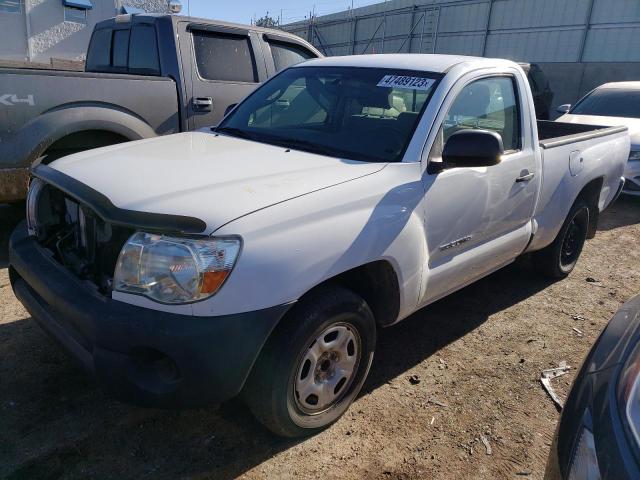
(40, 106)
(556, 134)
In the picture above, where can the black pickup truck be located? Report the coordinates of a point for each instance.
(145, 75)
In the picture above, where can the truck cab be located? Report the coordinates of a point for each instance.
(215, 64)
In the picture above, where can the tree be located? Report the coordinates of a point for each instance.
(267, 21)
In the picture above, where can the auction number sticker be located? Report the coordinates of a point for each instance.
(411, 83)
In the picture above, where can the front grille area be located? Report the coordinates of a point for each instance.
(78, 238)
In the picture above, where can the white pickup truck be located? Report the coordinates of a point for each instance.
(340, 197)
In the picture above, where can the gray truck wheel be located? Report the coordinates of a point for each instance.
(314, 365)
(558, 259)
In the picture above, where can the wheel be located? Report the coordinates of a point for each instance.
(314, 365)
(558, 259)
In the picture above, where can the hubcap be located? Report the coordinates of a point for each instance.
(327, 368)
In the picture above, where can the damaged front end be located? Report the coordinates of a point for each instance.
(74, 235)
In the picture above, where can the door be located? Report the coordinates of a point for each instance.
(227, 65)
(478, 219)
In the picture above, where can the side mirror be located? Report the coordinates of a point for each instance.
(229, 108)
(562, 109)
(471, 148)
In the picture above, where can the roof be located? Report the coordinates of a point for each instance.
(622, 85)
(404, 61)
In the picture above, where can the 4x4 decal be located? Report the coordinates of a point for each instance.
(11, 99)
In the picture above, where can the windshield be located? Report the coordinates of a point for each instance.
(366, 114)
(610, 102)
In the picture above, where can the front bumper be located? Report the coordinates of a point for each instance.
(137, 355)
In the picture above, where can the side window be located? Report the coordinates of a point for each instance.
(487, 104)
(287, 54)
(99, 54)
(224, 57)
(120, 48)
(143, 51)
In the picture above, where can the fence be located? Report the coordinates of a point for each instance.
(522, 30)
(408, 30)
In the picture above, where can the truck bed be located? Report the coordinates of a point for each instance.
(556, 134)
(40, 107)
(571, 154)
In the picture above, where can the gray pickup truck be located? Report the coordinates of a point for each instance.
(145, 75)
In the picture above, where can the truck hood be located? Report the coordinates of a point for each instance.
(212, 177)
(633, 124)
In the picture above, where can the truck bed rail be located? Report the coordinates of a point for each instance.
(556, 134)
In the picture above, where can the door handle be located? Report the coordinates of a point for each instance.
(525, 177)
(203, 103)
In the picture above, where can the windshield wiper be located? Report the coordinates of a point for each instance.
(299, 144)
(235, 132)
(305, 145)
(325, 150)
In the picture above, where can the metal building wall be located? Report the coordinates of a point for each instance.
(614, 35)
(39, 31)
(524, 30)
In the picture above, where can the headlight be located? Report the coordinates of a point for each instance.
(174, 270)
(634, 156)
(629, 394)
(33, 196)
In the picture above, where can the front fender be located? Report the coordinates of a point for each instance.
(291, 247)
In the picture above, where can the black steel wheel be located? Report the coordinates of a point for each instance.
(560, 258)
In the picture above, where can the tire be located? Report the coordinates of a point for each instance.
(327, 333)
(559, 259)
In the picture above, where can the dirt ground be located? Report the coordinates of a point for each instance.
(477, 354)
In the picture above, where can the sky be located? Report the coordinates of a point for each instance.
(243, 11)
